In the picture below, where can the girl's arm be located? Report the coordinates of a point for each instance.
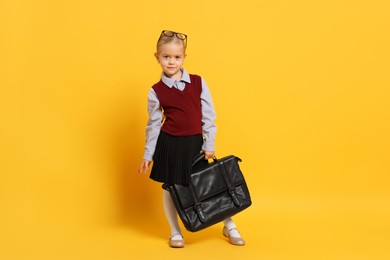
(209, 128)
(154, 125)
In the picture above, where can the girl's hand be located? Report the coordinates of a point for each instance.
(144, 166)
(208, 154)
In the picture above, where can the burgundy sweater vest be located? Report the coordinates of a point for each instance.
(181, 109)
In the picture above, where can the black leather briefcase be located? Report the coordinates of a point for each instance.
(217, 191)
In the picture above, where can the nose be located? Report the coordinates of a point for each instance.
(171, 61)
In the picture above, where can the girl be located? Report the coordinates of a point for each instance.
(180, 125)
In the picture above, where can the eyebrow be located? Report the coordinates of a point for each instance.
(166, 54)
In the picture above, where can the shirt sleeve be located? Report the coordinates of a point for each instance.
(153, 126)
(209, 129)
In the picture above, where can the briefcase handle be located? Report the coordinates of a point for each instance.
(200, 157)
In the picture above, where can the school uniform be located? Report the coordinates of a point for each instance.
(180, 125)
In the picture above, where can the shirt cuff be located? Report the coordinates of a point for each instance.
(208, 146)
(148, 156)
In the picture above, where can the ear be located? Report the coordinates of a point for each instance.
(156, 56)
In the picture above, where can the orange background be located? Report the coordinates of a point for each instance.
(301, 90)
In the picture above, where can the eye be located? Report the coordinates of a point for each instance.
(178, 57)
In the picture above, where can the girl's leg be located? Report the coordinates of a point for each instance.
(171, 214)
(230, 231)
(231, 226)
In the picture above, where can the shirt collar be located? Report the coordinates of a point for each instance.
(171, 82)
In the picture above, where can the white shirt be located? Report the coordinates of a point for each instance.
(209, 129)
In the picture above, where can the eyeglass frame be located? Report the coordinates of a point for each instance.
(174, 34)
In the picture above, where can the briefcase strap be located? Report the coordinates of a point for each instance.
(197, 205)
(232, 190)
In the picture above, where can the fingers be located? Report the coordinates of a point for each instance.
(143, 170)
(144, 166)
(208, 154)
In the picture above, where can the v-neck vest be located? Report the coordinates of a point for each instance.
(181, 109)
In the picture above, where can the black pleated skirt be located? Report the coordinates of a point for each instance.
(173, 157)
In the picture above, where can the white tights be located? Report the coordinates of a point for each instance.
(171, 214)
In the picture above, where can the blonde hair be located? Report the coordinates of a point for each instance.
(170, 39)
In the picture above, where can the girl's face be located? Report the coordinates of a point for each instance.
(171, 57)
